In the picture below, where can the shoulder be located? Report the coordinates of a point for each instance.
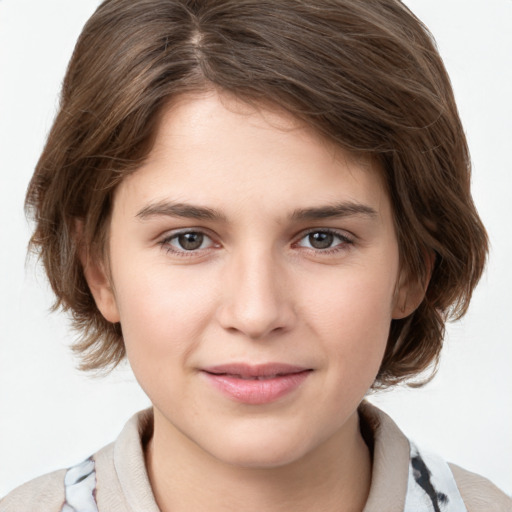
(478, 493)
(393, 470)
(111, 478)
(43, 494)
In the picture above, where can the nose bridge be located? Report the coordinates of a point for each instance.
(256, 301)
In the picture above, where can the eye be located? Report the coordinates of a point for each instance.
(324, 240)
(187, 241)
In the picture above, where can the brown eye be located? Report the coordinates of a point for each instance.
(190, 241)
(325, 241)
(321, 240)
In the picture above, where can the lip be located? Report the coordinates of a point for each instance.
(256, 384)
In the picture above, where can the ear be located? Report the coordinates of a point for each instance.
(410, 290)
(98, 280)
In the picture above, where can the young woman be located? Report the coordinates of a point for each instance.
(265, 207)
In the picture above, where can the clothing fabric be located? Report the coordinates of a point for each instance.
(404, 477)
(431, 485)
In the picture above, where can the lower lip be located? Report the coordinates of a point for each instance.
(257, 392)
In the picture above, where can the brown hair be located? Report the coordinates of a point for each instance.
(365, 74)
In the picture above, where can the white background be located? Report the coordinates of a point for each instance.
(52, 416)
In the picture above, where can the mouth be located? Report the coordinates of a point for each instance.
(256, 385)
(243, 377)
(258, 372)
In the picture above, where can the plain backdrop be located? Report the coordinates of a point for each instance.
(52, 416)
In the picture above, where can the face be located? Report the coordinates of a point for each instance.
(254, 271)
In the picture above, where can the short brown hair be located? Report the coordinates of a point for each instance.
(365, 74)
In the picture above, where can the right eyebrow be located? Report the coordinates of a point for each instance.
(182, 210)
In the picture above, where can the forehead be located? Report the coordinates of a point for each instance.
(215, 148)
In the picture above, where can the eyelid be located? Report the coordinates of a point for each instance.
(165, 240)
(346, 238)
(342, 233)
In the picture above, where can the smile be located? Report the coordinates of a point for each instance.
(256, 385)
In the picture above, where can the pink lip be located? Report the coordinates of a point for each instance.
(256, 385)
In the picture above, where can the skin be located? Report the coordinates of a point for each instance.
(260, 288)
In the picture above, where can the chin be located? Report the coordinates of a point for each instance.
(261, 452)
(264, 458)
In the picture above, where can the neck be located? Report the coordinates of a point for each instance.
(335, 476)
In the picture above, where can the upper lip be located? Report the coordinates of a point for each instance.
(245, 370)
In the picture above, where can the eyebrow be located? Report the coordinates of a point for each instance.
(339, 210)
(188, 211)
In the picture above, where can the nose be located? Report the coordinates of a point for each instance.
(256, 298)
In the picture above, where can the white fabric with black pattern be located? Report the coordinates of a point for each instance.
(431, 486)
(80, 487)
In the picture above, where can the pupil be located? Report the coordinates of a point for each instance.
(190, 241)
(321, 240)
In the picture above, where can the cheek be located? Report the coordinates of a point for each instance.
(355, 299)
(162, 312)
(352, 315)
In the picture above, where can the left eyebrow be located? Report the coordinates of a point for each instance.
(344, 209)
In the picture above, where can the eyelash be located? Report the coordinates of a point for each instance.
(345, 242)
(183, 253)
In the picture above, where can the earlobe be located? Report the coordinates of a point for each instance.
(410, 290)
(98, 281)
(408, 297)
(101, 290)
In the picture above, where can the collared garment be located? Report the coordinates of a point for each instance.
(405, 478)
